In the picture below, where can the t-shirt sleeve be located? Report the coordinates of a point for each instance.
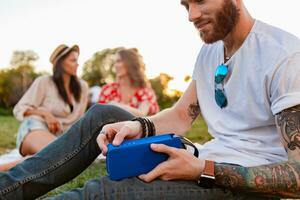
(285, 85)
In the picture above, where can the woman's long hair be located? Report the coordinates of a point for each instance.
(135, 66)
(57, 77)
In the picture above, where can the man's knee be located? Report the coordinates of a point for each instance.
(108, 113)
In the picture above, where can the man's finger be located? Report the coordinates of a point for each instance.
(121, 135)
(158, 171)
(110, 130)
(102, 143)
(161, 148)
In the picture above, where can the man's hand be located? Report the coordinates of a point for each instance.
(181, 165)
(117, 132)
(53, 124)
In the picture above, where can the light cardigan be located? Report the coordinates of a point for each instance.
(43, 95)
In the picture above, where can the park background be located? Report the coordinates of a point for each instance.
(159, 29)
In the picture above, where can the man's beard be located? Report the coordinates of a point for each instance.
(225, 20)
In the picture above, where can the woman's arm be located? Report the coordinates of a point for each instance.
(53, 124)
(33, 111)
(32, 98)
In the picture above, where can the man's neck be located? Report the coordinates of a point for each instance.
(238, 35)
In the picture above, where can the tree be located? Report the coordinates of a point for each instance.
(160, 86)
(99, 69)
(15, 81)
(187, 78)
(23, 58)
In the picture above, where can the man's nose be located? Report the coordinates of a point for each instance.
(194, 13)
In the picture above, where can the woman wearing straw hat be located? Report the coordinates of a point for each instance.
(52, 103)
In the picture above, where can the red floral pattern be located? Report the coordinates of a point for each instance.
(111, 92)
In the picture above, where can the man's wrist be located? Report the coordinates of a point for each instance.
(147, 126)
(139, 125)
(199, 168)
(207, 177)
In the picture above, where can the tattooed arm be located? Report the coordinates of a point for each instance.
(180, 117)
(282, 179)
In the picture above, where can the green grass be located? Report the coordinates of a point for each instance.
(9, 127)
(93, 171)
(8, 131)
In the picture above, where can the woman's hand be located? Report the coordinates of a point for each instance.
(53, 124)
(117, 132)
(181, 165)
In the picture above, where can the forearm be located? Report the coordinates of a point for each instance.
(38, 112)
(170, 121)
(179, 118)
(281, 179)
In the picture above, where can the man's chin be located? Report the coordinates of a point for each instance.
(207, 39)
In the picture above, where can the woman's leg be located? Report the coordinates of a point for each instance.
(61, 160)
(32, 143)
(8, 166)
(35, 141)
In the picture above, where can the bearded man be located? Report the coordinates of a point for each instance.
(246, 84)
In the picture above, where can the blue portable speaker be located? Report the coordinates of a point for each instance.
(135, 157)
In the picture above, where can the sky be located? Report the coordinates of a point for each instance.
(158, 28)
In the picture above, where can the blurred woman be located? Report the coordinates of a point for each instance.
(132, 91)
(51, 104)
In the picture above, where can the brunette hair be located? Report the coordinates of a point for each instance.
(135, 66)
(57, 77)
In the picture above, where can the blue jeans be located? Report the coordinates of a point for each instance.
(74, 151)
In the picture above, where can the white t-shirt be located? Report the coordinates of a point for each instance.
(264, 80)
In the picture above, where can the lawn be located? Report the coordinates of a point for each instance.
(9, 126)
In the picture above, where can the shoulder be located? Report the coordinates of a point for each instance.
(44, 79)
(113, 85)
(83, 84)
(274, 39)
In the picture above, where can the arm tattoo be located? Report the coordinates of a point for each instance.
(194, 110)
(281, 179)
(289, 124)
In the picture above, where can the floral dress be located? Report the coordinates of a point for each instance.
(111, 92)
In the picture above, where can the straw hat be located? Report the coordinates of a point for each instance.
(62, 50)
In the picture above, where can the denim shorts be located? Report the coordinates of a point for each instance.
(28, 125)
